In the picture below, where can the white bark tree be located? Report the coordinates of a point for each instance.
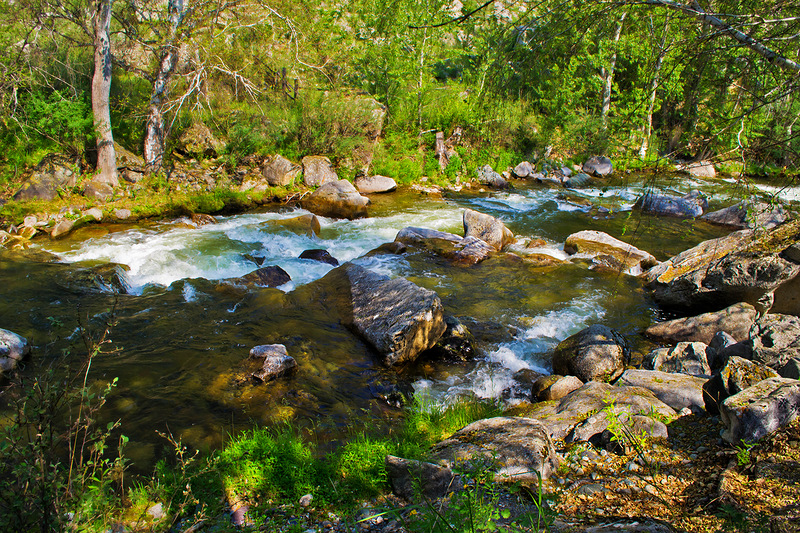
(101, 89)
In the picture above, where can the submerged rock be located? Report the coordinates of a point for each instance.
(13, 348)
(760, 410)
(302, 224)
(596, 353)
(515, 448)
(596, 242)
(486, 228)
(337, 199)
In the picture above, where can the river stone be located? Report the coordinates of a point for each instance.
(98, 190)
(742, 267)
(516, 448)
(554, 387)
(62, 228)
(279, 171)
(687, 206)
(53, 172)
(523, 170)
(375, 184)
(581, 179)
(203, 219)
(737, 375)
(13, 348)
(679, 391)
(631, 526)
(773, 342)
(122, 214)
(398, 318)
(749, 214)
(270, 276)
(760, 410)
(593, 397)
(456, 343)
(319, 255)
(487, 176)
(596, 353)
(599, 166)
(791, 369)
(276, 362)
(301, 225)
(411, 479)
(683, 358)
(596, 242)
(700, 169)
(317, 170)
(486, 228)
(736, 320)
(461, 251)
(337, 199)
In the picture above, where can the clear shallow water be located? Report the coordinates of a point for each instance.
(184, 336)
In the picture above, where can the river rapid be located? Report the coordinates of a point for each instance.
(180, 336)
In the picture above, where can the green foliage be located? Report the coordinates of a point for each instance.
(360, 465)
(743, 453)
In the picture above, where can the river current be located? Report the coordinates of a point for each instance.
(180, 336)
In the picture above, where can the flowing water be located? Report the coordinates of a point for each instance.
(182, 336)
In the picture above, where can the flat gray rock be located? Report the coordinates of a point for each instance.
(735, 320)
(676, 390)
(760, 410)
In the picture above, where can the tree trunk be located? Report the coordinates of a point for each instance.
(648, 123)
(608, 74)
(154, 130)
(101, 88)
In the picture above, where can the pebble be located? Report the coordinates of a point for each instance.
(702, 449)
(693, 456)
(650, 489)
(633, 467)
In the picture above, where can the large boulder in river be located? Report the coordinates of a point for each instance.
(596, 242)
(743, 266)
(317, 170)
(760, 410)
(748, 214)
(54, 172)
(337, 199)
(690, 205)
(270, 276)
(398, 318)
(462, 251)
(515, 448)
(486, 228)
(13, 348)
(279, 171)
(596, 353)
(736, 320)
(375, 184)
(487, 176)
(599, 166)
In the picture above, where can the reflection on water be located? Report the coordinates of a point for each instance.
(183, 336)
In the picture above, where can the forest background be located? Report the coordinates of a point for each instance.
(635, 80)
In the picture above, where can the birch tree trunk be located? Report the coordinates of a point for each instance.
(608, 74)
(154, 130)
(648, 122)
(101, 89)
